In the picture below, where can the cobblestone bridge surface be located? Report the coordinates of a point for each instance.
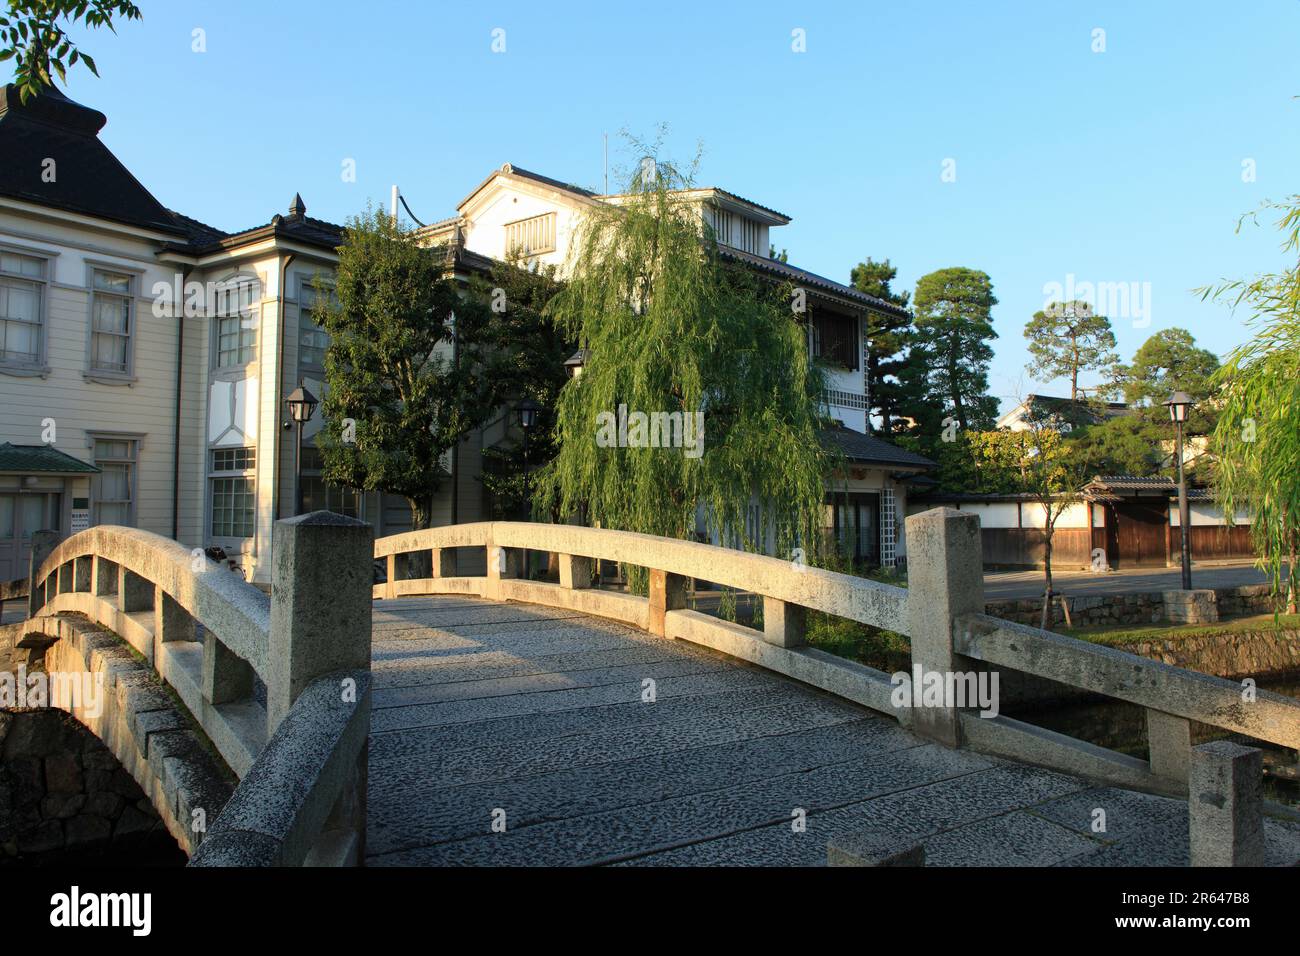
(508, 734)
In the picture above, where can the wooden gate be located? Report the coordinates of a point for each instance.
(1137, 533)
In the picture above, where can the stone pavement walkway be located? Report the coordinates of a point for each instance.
(486, 712)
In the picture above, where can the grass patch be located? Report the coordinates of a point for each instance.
(1127, 634)
(881, 649)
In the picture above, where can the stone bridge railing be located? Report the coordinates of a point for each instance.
(952, 642)
(280, 686)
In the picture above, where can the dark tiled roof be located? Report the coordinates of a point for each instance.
(87, 178)
(1056, 401)
(1135, 482)
(784, 270)
(29, 459)
(546, 180)
(1114, 487)
(1059, 405)
(973, 497)
(296, 225)
(199, 233)
(750, 202)
(868, 449)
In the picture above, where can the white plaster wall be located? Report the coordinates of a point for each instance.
(1203, 515)
(506, 202)
(79, 406)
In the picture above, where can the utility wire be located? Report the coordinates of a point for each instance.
(408, 210)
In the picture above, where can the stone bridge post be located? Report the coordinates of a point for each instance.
(43, 545)
(945, 578)
(321, 604)
(321, 597)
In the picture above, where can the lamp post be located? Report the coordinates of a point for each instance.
(302, 405)
(1179, 405)
(527, 410)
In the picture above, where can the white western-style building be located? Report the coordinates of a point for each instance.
(145, 356)
(515, 212)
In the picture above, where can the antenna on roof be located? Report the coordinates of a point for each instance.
(606, 135)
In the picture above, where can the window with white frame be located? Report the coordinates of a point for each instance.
(750, 233)
(22, 298)
(237, 308)
(313, 340)
(232, 478)
(114, 486)
(111, 320)
(530, 237)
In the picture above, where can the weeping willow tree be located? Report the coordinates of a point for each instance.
(1257, 439)
(682, 345)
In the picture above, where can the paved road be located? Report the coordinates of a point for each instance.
(1027, 584)
(483, 709)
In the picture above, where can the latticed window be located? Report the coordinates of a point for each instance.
(530, 237)
(233, 492)
(312, 339)
(115, 484)
(234, 459)
(835, 339)
(22, 292)
(888, 528)
(237, 308)
(110, 322)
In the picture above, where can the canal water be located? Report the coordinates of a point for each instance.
(1118, 725)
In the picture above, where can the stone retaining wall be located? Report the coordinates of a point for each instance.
(1140, 608)
(1263, 653)
(62, 792)
(133, 717)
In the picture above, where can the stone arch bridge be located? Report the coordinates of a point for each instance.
(445, 719)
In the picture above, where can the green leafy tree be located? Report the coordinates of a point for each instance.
(391, 370)
(887, 339)
(531, 352)
(1037, 462)
(33, 34)
(1065, 339)
(1167, 362)
(671, 329)
(1257, 439)
(950, 353)
(1123, 445)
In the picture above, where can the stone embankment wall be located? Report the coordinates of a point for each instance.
(64, 795)
(1139, 609)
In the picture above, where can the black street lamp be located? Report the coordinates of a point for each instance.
(302, 405)
(527, 410)
(1180, 405)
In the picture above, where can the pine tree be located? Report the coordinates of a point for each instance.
(887, 338)
(949, 358)
(1065, 339)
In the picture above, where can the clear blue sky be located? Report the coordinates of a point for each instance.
(1119, 166)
